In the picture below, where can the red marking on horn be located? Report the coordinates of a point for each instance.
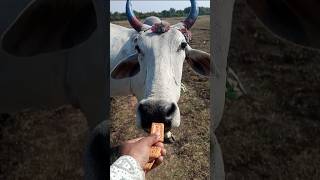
(133, 20)
(193, 15)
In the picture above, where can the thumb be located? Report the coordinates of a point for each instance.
(150, 140)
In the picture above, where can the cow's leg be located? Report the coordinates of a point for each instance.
(221, 21)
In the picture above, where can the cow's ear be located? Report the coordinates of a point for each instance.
(126, 68)
(199, 61)
(47, 26)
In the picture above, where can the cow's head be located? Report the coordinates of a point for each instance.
(158, 64)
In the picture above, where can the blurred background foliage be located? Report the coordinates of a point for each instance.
(116, 16)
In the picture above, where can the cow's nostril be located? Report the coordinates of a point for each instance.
(170, 109)
(156, 111)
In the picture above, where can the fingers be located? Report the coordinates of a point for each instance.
(163, 153)
(157, 162)
(134, 140)
(163, 150)
(159, 144)
(150, 140)
(145, 144)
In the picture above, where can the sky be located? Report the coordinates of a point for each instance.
(157, 6)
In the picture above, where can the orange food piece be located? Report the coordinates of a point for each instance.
(148, 166)
(155, 151)
(158, 127)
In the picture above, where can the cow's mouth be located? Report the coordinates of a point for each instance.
(147, 126)
(158, 111)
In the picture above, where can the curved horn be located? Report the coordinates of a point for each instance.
(193, 15)
(133, 20)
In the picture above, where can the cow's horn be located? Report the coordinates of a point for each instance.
(133, 20)
(193, 15)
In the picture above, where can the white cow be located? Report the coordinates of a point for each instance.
(147, 62)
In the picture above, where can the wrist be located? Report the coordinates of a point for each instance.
(138, 159)
(137, 162)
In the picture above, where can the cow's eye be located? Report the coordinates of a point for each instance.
(137, 48)
(183, 45)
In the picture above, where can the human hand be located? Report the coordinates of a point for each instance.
(139, 149)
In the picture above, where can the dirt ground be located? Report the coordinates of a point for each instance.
(188, 156)
(274, 132)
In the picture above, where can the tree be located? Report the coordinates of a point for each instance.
(116, 16)
(186, 10)
(165, 13)
(179, 13)
(172, 12)
(204, 11)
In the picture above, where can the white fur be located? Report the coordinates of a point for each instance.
(161, 62)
